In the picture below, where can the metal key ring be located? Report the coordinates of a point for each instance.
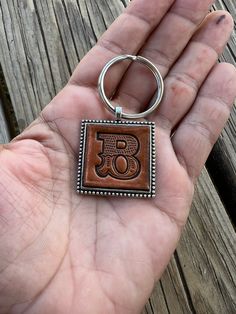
(151, 67)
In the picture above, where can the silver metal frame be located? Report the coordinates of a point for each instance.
(115, 192)
(151, 67)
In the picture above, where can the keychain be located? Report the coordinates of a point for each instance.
(118, 157)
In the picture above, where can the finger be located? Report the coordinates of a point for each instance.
(163, 48)
(186, 77)
(196, 135)
(125, 36)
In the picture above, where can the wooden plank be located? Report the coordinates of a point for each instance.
(202, 277)
(169, 295)
(41, 43)
(34, 67)
(207, 253)
(4, 132)
(222, 161)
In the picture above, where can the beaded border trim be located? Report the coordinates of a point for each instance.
(112, 192)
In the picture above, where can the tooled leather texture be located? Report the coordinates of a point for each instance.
(117, 157)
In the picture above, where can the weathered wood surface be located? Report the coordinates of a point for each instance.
(222, 161)
(207, 253)
(4, 132)
(201, 277)
(41, 43)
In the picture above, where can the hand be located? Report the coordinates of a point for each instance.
(65, 253)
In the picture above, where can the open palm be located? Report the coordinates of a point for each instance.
(61, 252)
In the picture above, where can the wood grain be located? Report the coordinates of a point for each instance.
(41, 43)
(201, 277)
(4, 132)
(222, 161)
(207, 254)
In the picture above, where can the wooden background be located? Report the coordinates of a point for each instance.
(41, 43)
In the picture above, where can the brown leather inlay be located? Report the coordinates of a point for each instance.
(117, 157)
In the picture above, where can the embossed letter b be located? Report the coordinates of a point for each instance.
(117, 146)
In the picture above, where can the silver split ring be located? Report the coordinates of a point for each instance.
(151, 67)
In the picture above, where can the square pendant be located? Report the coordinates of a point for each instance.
(117, 158)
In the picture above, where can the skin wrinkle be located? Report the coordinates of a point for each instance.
(35, 239)
(135, 261)
(193, 170)
(66, 144)
(49, 124)
(207, 46)
(141, 19)
(156, 59)
(193, 23)
(100, 270)
(73, 282)
(163, 61)
(25, 184)
(163, 123)
(3, 220)
(151, 264)
(188, 81)
(172, 218)
(15, 211)
(109, 297)
(28, 309)
(189, 10)
(203, 129)
(219, 99)
(113, 206)
(136, 283)
(185, 77)
(93, 86)
(29, 186)
(46, 153)
(30, 243)
(151, 20)
(8, 192)
(188, 168)
(111, 219)
(29, 217)
(193, 20)
(131, 99)
(29, 173)
(40, 139)
(75, 152)
(97, 270)
(112, 47)
(96, 233)
(10, 175)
